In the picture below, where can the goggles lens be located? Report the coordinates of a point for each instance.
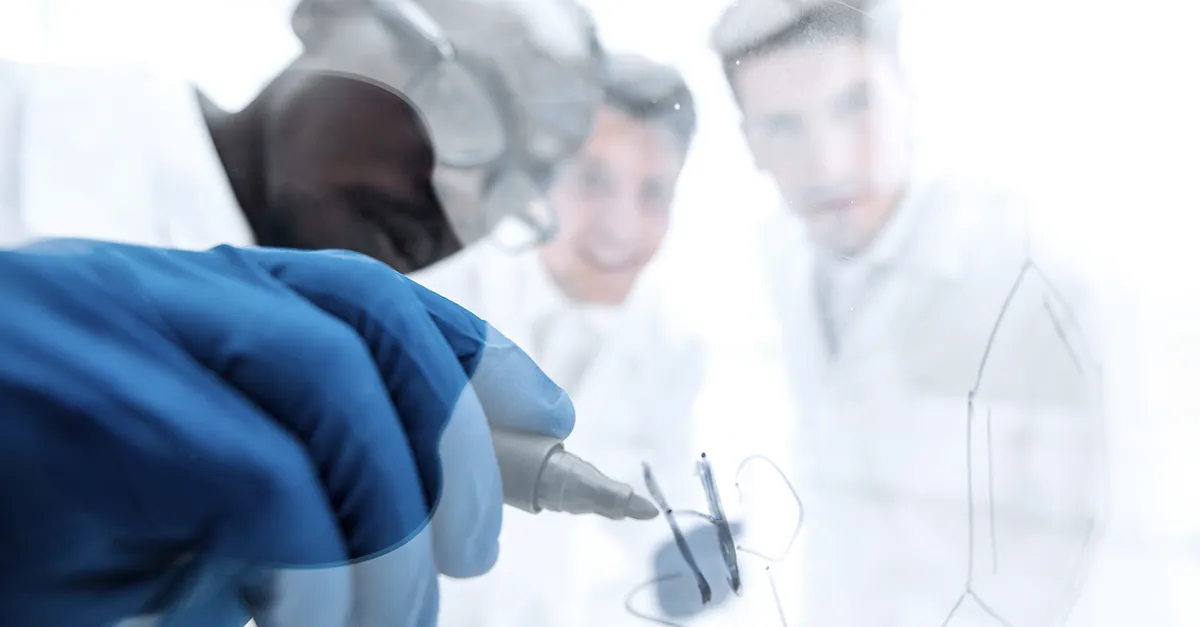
(466, 129)
(519, 214)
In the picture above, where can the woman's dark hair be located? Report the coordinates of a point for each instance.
(652, 92)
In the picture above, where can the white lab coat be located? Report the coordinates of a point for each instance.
(112, 154)
(633, 404)
(895, 481)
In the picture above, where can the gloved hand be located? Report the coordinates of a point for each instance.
(189, 433)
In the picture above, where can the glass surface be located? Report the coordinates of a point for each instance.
(1011, 442)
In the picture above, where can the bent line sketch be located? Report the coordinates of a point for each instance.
(650, 584)
(1081, 361)
(991, 496)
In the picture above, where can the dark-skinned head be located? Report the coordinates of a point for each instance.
(326, 158)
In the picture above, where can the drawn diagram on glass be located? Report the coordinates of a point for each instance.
(1034, 455)
(998, 488)
(726, 543)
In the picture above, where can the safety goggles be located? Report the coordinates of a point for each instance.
(465, 124)
(513, 129)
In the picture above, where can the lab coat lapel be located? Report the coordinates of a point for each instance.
(508, 292)
(191, 187)
(791, 270)
(913, 272)
(893, 298)
(634, 402)
(612, 387)
(625, 347)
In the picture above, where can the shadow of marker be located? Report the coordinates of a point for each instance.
(677, 596)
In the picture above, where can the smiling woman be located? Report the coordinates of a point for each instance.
(613, 199)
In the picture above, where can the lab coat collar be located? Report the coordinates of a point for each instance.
(539, 299)
(544, 299)
(927, 235)
(929, 244)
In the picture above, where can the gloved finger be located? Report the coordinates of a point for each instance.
(442, 417)
(514, 391)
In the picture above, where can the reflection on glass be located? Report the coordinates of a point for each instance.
(725, 540)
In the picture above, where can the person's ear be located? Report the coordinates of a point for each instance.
(311, 18)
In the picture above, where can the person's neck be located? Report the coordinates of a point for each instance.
(239, 143)
(579, 293)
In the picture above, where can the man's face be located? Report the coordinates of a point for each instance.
(613, 202)
(828, 121)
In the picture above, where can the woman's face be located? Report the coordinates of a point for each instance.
(613, 203)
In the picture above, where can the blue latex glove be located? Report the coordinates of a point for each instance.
(177, 427)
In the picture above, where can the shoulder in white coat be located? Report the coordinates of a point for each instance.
(116, 154)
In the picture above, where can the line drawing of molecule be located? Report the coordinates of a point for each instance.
(1032, 298)
(979, 426)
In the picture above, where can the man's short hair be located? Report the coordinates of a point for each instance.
(651, 92)
(868, 21)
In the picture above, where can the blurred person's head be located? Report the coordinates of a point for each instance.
(403, 129)
(825, 110)
(613, 198)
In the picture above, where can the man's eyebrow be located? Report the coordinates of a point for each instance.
(860, 87)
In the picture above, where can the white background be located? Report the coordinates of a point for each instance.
(1088, 106)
